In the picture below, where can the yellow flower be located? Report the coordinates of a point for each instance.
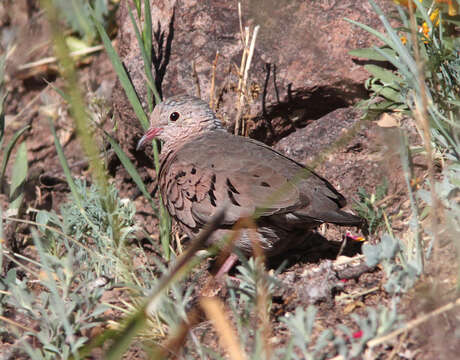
(425, 29)
(434, 17)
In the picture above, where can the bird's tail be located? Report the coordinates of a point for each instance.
(343, 218)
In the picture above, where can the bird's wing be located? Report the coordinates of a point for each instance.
(222, 170)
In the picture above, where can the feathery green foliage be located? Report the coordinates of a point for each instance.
(437, 80)
(368, 207)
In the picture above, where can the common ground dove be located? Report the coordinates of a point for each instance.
(204, 168)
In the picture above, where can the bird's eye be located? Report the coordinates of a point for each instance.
(174, 116)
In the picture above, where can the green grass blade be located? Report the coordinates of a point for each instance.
(165, 228)
(134, 100)
(164, 218)
(122, 75)
(147, 64)
(2, 99)
(65, 166)
(137, 4)
(2, 119)
(148, 41)
(2, 238)
(9, 148)
(130, 168)
(147, 31)
(59, 91)
(372, 31)
(402, 68)
(399, 47)
(123, 339)
(2, 129)
(18, 177)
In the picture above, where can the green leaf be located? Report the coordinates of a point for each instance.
(372, 253)
(386, 76)
(371, 53)
(390, 246)
(18, 177)
(391, 94)
(42, 217)
(7, 153)
(386, 105)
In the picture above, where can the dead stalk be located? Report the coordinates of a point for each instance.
(214, 310)
(53, 59)
(213, 82)
(197, 81)
(248, 43)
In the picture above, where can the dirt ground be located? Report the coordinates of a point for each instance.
(360, 163)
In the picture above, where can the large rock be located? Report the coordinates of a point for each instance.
(301, 69)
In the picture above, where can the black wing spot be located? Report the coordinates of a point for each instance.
(180, 174)
(193, 172)
(232, 198)
(265, 184)
(231, 187)
(213, 182)
(212, 198)
(256, 176)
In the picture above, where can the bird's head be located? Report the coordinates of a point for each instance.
(178, 118)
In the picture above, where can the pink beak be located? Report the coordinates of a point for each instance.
(149, 135)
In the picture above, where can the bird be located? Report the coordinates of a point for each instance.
(204, 169)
